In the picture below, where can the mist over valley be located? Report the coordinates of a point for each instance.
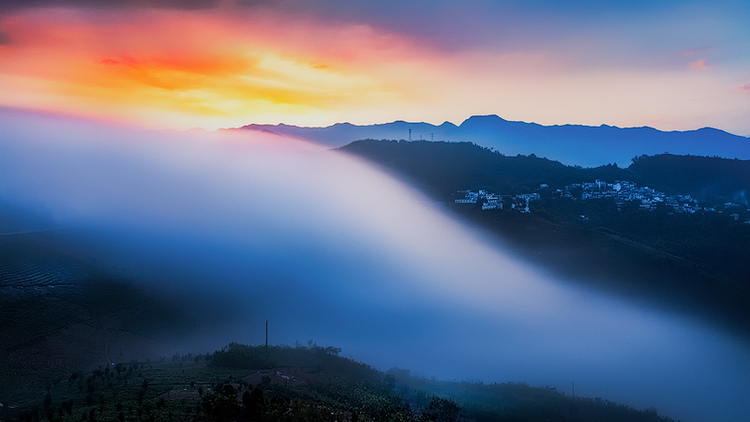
(221, 231)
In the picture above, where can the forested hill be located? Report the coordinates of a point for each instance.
(686, 246)
(710, 179)
(442, 168)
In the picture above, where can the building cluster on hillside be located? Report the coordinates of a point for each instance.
(621, 191)
(491, 201)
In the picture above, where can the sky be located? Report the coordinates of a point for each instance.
(673, 65)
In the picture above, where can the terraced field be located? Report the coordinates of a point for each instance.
(22, 264)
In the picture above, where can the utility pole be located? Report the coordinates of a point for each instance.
(574, 388)
(266, 335)
(409, 135)
(432, 137)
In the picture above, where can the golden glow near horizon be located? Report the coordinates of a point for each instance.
(223, 67)
(166, 65)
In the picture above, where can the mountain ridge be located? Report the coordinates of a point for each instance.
(571, 144)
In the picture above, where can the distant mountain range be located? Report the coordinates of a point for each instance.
(586, 146)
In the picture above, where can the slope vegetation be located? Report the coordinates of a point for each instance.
(281, 383)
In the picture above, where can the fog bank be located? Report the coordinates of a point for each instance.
(244, 227)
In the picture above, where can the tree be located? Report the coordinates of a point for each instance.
(246, 399)
(223, 405)
(442, 410)
(390, 382)
(255, 402)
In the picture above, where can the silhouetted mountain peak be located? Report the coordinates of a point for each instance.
(483, 119)
(345, 124)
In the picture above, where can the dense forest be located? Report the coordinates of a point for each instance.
(692, 262)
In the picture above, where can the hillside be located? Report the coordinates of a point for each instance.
(281, 383)
(709, 179)
(696, 262)
(442, 168)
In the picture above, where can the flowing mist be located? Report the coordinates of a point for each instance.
(244, 227)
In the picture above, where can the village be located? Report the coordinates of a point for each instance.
(622, 192)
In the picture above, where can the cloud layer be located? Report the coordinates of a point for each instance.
(243, 227)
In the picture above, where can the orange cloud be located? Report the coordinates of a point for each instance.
(202, 64)
(231, 66)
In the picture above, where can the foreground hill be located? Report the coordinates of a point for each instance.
(694, 261)
(586, 146)
(281, 383)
